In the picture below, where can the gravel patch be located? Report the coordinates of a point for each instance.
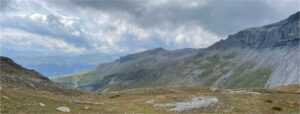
(195, 103)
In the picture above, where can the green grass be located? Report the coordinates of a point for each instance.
(242, 78)
(214, 69)
(230, 56)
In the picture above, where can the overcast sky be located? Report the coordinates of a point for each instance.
(72, 27)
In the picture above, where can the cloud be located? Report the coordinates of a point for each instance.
(76, 33)
(127, 26)
(39, 17)
(220, 17)
(22, 40)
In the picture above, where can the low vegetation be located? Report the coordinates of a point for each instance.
(16, 99)
(242, 79)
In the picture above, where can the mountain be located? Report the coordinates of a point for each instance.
(152, 62)
(10, 68)
(59, 65)
(25, 91)
(264, 56)
(13, 75)
(221, 65)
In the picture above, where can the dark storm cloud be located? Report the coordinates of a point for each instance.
(4, 4)
(222, 17)
(130, 6)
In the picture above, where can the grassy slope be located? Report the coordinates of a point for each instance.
(27, 100)
(10, 68)
(213, 66)
(69, 79)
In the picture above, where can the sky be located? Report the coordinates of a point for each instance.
(78, 27)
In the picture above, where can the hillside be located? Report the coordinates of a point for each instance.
(155, 61)
(264, 56)
(9, 68)
(23, 92)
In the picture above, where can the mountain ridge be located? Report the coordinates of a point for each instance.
(265, 36)
(264, 56)
(10, 68)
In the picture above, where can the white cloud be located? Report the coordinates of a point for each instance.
(112, 29)
(28, 41)
(39, 17)
(67, 21)
(104, 31)
(76, 33)
(187, 35)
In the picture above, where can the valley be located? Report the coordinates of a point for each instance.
(256, 70)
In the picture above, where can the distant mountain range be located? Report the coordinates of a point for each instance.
(59, 65)
(264, 56)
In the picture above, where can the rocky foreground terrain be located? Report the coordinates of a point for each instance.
(35, 94)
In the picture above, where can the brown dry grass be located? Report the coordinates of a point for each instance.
(27, 100)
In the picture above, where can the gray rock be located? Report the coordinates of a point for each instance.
(86, 107)
(5, 97)
(41, 104)
(63, 109)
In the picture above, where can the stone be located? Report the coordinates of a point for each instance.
(85, 107)
(41, 104)
(150, 101)
(63, 109)
(5, 97)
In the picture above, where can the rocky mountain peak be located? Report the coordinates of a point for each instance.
(295, 17)
(283, 33)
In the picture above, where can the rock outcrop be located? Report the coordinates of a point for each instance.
(283, 33)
